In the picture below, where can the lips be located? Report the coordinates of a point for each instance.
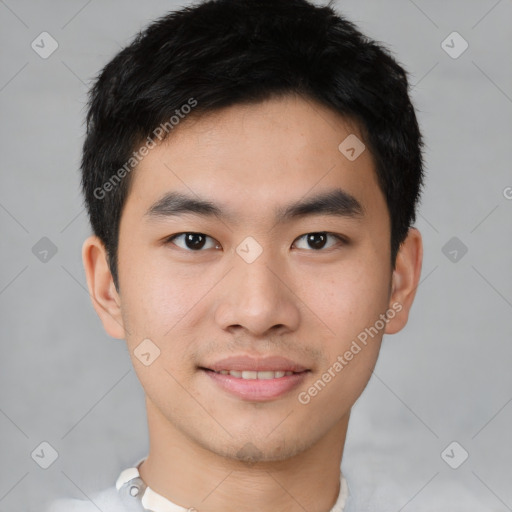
(247, 367)
(252, 375)
(256, 379)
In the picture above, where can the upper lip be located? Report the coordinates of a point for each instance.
(259, 364)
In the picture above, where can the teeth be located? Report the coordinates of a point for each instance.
(251, 375)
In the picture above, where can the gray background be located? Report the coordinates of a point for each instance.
(446, 377)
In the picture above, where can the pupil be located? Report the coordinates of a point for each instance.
(317, 240)
(194, 240)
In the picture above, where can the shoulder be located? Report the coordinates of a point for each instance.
(107, 500)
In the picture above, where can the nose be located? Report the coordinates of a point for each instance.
(257, 298)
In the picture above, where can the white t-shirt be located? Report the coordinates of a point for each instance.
(119, 498)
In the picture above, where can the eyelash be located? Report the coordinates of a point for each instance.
(341, 239)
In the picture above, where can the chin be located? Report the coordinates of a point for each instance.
(251, 450)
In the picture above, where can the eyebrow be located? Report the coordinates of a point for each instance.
(336, 202)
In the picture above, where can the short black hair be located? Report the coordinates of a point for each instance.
(220, 53)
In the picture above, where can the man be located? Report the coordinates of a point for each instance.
(251, 172)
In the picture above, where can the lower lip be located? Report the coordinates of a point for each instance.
(257, 390)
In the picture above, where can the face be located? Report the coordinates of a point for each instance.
(249, 263)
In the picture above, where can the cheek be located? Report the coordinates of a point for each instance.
(164, 304)
(155, 297)
(350, 303)
(357, 295)
(156, 306)
(346, 298)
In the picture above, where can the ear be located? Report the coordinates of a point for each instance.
(104, 296)
(405, 280)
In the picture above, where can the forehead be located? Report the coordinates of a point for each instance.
(256, 157)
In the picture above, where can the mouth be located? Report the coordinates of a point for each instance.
(260, 385)
(255, 375)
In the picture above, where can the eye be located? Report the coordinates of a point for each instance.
(318, 241)
(193, 241)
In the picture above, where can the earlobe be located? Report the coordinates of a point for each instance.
(104, 296)
(405, 280)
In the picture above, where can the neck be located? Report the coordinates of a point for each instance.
(192, 476)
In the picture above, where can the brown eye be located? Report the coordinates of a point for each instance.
(318, 241)
(193, 241)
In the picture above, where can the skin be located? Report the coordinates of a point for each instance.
(208, 449)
